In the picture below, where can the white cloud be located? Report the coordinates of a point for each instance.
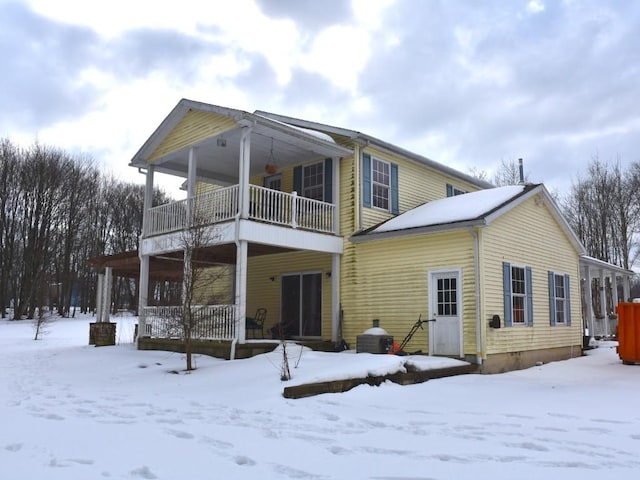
(535, 6)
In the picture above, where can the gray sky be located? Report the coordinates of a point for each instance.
(465, 83)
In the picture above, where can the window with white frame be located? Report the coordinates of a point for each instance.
(313, 181)
(518, 294)
(454, 191)
(380, 183)
(559, 299)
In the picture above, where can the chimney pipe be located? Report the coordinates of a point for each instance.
(521, 170)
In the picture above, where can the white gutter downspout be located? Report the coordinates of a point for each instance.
(476, 266)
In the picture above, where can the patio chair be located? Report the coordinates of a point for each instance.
(256, 323)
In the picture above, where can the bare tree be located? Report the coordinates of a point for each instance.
(200, 274)
(508, 173)
(604, 211)
(9, 219)
(479, 174)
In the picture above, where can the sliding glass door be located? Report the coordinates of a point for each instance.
(302, 304)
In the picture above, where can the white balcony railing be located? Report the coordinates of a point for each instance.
(289, 209)
(221, 205)
(209, 322)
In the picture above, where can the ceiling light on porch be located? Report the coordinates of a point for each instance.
(271, 167)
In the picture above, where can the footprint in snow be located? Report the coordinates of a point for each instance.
(530, 446)
(143, 472)
(13, 447)
(53, 416)
(244, 461)
(180, 434)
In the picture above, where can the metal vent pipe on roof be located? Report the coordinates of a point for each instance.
(521, 170)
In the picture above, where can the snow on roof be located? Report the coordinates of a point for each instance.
(308, 131)
(468, 206)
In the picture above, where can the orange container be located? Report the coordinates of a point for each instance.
(629, 332)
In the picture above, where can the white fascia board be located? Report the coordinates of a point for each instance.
(218, 234)
(266, 234)
(253, 232)
(596, 264)
(411, 232)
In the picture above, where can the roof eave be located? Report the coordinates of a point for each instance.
(363, 237)
(588, 261)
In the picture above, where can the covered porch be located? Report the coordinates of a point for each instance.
(603, 286)
(255, 186)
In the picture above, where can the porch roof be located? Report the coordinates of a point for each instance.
(218, 154)
(169, 266)
(595, 266)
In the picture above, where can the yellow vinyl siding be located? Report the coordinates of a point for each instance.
(263, 292)
(194, 127)
(287, 179)
(390, 284)
(416, 185)
(528, 236)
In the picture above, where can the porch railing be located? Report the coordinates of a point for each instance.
(210, 322)
(216, 206)
(274, 206)
(221, 205)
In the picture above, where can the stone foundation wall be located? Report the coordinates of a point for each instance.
(505, 362)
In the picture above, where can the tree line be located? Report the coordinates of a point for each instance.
(602, 207)
(57, 211)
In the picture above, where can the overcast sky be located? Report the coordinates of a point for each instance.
(465, 83)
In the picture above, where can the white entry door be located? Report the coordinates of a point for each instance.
(445, 307)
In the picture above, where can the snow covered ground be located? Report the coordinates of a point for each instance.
(71, 411)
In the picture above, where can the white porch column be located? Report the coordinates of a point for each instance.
(336, 194)
(99, 297)
(143, 281)
(243, 172)
(626, 288)
(143, 293)
(241, 290)
(191, 185)
(588, 315)
(614, 290)
(106, 295)
(603, 303)
(335, 298)
(148, 198)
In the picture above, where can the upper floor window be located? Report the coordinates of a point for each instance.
(313, 181)
(453, 191)
(380, 183)
(518, 296)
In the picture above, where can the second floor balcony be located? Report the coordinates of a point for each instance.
(223, 205)
(266, 175)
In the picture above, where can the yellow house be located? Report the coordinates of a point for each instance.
(328, 229)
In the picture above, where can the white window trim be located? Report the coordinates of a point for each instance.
(525, 321)
(304, 189)
(373, 183)
(563, 299)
